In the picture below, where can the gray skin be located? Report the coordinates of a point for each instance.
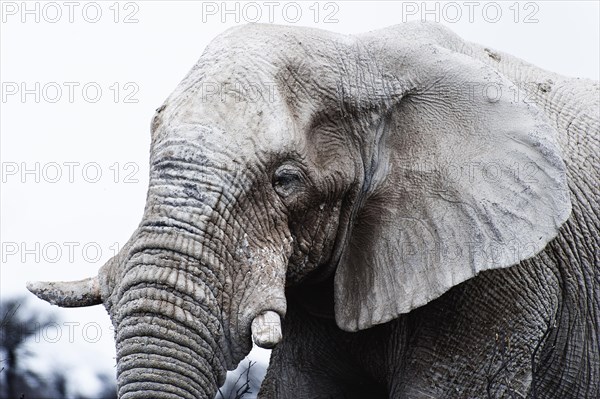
(419, 237)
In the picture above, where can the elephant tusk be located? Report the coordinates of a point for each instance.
(69, 294)
(266, 329)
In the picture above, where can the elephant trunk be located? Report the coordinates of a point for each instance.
(180, 324)
(151, 365)
(171, 341)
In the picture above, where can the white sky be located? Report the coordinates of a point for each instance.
(145, 60)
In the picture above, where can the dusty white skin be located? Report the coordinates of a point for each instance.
(328, 198)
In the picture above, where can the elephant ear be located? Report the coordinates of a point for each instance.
(466, 177)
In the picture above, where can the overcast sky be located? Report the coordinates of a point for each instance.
(93, 74)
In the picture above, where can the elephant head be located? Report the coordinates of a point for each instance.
(289, 156)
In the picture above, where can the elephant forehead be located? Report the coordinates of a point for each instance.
(240, 126)
(284, 66)
(263, 88)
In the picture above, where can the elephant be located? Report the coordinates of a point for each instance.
(398, 214)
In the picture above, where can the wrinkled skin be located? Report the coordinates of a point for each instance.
(328, 200)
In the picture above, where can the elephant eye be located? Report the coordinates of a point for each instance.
(286, 180)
